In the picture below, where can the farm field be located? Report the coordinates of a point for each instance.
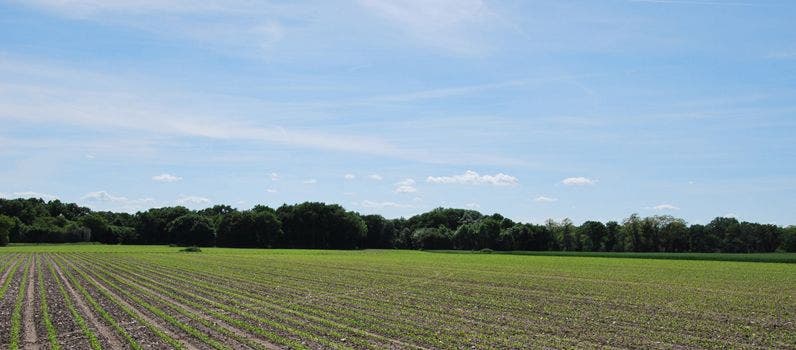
(144, 297)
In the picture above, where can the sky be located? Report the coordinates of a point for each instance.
(591, 110)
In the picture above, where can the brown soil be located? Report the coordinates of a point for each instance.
(162, 325)
(70, 336)
(30, 338)
(221, 324)
(7, 307)
(103, 331)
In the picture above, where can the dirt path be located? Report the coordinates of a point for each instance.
(161, 325)
(30, 337)
(103, 330)
(215, 321)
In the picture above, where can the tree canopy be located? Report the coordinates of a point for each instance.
(317, 225)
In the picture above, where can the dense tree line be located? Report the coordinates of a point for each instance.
(325, 226)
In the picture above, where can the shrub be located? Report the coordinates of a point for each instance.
(191, 249)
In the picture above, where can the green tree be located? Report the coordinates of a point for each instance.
(381, 232)
(592, 234)
(6, 224)
(788, 239)
(321, 226)
(100, 229)
(191, 230)
(432, 238)
(614, 241)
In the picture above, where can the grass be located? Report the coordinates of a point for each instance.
(374, 299)
(789, 258)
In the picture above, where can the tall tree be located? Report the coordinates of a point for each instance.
(192, 230)
(6, 224)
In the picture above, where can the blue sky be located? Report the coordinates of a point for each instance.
(533, 109)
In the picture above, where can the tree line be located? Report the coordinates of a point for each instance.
(329, 226)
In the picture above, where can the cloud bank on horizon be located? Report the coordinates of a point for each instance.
(587, 110)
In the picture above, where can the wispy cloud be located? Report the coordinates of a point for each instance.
(310, 181)
(56, 101)
(381, 205)
(699, 2)
(578, 181)
(166, 178)
(376, 177)
(274, 177)
(473, 178)
(453, 25)
(222, 24)
(349, 176)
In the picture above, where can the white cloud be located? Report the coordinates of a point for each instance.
(31, 194)
(274, 177)
(473, 206)
(107, 201)
(192, 200)
(578, 181)
(310, 181)
(271, 190)
(376, 177)
(379, 205)
(665, 207)
(405, 186)
(166, 178)
(349, 176)
(473, 178)
(544, 199)
(102, 196)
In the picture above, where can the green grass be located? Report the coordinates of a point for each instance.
(789, 258)
(375, 299)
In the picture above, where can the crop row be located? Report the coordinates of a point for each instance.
(382, 300)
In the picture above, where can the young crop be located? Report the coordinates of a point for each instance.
(92, 338)
(7, 283)
(100, 310)
(266, 299)
(16, 315)
(52, 334)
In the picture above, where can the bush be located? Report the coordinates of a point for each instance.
(191, 249)
(486, 251)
